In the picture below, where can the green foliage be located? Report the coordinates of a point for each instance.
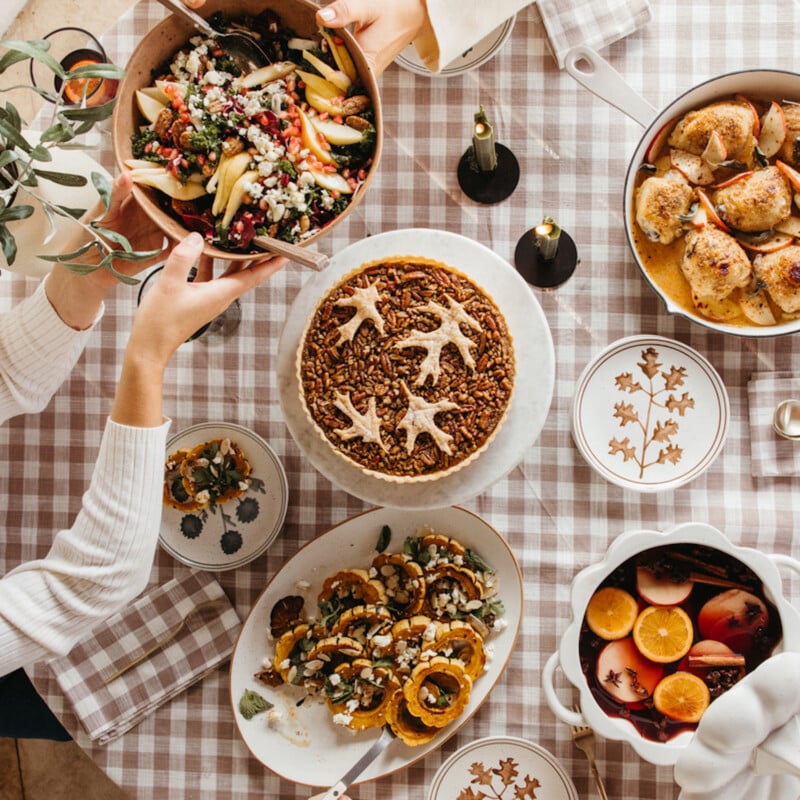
(24, 159)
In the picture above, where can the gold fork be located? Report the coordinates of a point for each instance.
(583, 737)
(199, 611)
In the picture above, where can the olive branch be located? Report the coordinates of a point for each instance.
(24, 160)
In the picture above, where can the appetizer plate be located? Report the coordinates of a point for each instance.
(650, 413)
(481, 52)
(533, 388)
(306, 746)
(502, 766)
(233, 533)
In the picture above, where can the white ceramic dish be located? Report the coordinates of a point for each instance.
(481, 52)
(583, 587)
(593, 72)
(309, 748)
(533, 388)
(660, 435)
(481, 765)
(257, 516)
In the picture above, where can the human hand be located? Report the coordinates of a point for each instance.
(77, 298)
(322, 794)
(382, 29)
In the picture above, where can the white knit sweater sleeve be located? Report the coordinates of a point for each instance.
(37, 353)
(98, 565)
(459, 24)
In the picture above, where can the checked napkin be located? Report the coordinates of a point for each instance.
(194, 644)
(596, 23)
(771, 456)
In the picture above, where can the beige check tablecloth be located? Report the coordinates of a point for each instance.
(556, 513)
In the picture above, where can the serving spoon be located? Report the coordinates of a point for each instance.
(786, 420)
(243, 49)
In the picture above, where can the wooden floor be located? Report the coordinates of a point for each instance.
(37, 769)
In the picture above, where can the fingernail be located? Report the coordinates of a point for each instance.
(328, 14)
(194, 239)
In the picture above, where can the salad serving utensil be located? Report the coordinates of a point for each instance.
(243, 49)
(294, 252)
(378, 746)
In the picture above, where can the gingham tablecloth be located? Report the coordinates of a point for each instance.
(556, 513)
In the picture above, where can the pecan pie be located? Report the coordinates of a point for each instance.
(406, 369)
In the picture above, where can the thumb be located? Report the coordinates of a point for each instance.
(183, 257)
(345, 12)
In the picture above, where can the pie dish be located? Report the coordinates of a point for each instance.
(406, 369)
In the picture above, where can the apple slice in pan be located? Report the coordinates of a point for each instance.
(661, 591)
(625, 673)
(694, 168)
(773, 130)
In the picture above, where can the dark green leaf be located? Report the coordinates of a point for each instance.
(60, 131)
(61, 178)
(6, 157)
(114, 236)
(127, 279)
(9, 245)
(103, 186)
(384, 539)
(15, 212)
(66, 211)
(34, 48)
(75, 253)
(111, 71)
(12, 135)
(93, 113)
(80, 269)
(41, 153)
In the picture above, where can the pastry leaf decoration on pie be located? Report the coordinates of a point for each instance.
(419, 418)
(448, 332)
(365, 302)
(364, 426)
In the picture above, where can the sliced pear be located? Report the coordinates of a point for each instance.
(319, 85)
(341, 55)
(141, 163)
(237, 194)
(332, 181)
(272, 72)
(229, 174)
(296, 43)
(755, 305)
(149, 107)
(322, 104)
(335, 76)
(310, 138)
(337, 134)
(156, 93)
(166, 182)
(719, 309)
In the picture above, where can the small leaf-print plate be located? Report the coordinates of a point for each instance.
(650, 413)
(235, 532)
(502, 767)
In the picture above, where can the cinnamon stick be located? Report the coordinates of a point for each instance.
(717, 660)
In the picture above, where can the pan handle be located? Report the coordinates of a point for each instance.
(594, 73)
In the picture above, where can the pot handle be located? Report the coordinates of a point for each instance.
(785, 561)
(594, 73)
(556, 706)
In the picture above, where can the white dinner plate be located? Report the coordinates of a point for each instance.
(307, 747)
(533, 385)
(503, 767)
(650, 413)
(233, 533)
(478, 54)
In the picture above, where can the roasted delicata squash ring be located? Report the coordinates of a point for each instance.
(233, 459)
(437, 691)
(452, 589)
(459, 640)
(409, 729)
(354, 586)
(409, 639)
(363, 622)
(403, 579)
(175, 494)
(333, 650)
(445, 546)
(372, 687)
(286, 647)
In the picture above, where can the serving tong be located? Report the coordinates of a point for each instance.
(378, 746)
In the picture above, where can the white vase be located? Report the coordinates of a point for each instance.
(31, 233)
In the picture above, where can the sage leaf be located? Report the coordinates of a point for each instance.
(15, 212)
(99, 70)
(61, 178)
(33, 48)
(103, 186)
(384, 539)
(9, 245)
(13, 136)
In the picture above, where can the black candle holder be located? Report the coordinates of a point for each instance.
(488, 187)
(545, 273)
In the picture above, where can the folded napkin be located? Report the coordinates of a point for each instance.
(596, 23)
(771, 456)
(196, 627)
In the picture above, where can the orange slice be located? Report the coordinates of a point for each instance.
(663, 633)
(682, 696)
(611, 613)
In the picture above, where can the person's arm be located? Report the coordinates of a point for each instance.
(42, 338)
(103, 561)
(440, 29)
